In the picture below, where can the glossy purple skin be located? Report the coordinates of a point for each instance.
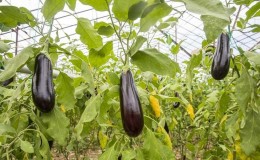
(176, 104)
(221, 59)
(42, 85)
(131, 110)
(7, 82)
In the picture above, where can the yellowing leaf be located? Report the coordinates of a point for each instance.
(190, 111)
(62, 108)
(191, 97)
(155, 106)
(166, 137)
(102, 139)
(239, 151)
(230, 155)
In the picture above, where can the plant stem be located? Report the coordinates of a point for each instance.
(118, 36)
(46, 46)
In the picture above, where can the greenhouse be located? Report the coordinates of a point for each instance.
(130, 79)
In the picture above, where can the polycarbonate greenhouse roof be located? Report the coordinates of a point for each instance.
(189, 28)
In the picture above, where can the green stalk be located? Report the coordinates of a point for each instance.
(47, 41)
(117, 34)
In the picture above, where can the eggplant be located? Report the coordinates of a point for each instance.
(43, 93)
(7, 82)
(166, 128)
(221, 59)
(131, 110)
(176, 104)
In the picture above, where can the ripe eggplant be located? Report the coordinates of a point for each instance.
(131, 110)
(42, 84)
(7, 82)
(176, 104)
(221, 59)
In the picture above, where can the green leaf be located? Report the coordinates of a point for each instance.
(71, 4)
(51, 8)
(11, 16)
(88, 35)
(4, 47)
(137, 45)
(65, 91)
(104, 28)
(193, 63)
(128, 154)
(15, 63)
(254, 11)
(213, 26)
(154, 61)
(99, 57)
(232, 126)
(121, 8)
(89, 114)
(151, 152)
(243, 2)
(223, 105)
(250, 133)
(212, 8)
(253, 57)
(245, 87)
(57, 125)
(100, 5)
(149, 19)
(88, 77)
(26, 146)
(113, 78)
(136, 10)
(175, 49)
(44, 149)
(109, 154)
(30, 17)
(6, 128)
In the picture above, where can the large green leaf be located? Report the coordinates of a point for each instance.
(65, 91)
(99, 57)
(193, 63)
(213, 26)
(104, 28)
(154, 61)
(253, 57)
(71, 4)
(245, 87)
(137, 45)
(109, 154)
(11, 16)
(136, 10)
(150, 18)
(245, 2)
(154, 149)
(57, 125)
(89, 114)
(209, 7)
(88, 77)
(223, 105)
(254, 11)
(121, 8)
(88, 35)
(15, 63)
(51, 8)
(250, 133)
(99, 5)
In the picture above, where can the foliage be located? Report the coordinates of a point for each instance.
(216, 119)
